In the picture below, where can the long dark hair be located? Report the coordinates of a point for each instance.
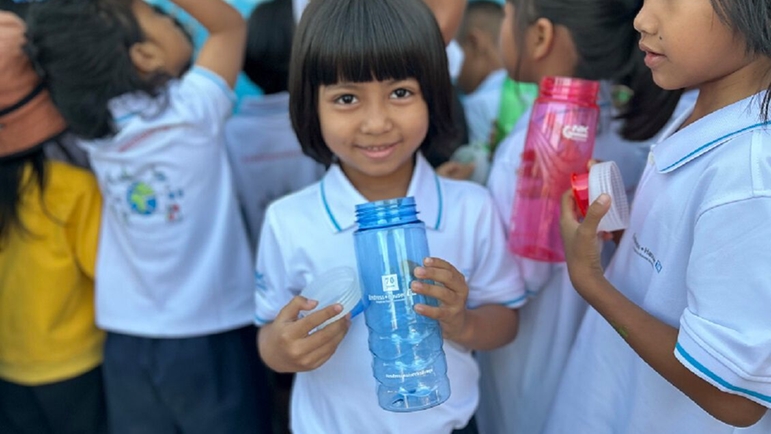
(81, 48)
(13, 188)
(607, 46)
(752, 20)
(269, 44)
(364, 40)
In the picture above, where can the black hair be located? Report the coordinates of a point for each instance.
(365, 40)
(490, 11)
(752, 20)
(81, 49)
(607, 45)
(269, 44)
(13, 187)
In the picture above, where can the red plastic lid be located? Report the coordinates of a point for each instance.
(580, 183)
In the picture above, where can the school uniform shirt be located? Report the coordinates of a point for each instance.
(481, 106)
(173, 258)
(696, 257)
(47, 330)
(266, 157)
(519, 380)
(311, 231)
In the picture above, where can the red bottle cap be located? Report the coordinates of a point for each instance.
(580, 184)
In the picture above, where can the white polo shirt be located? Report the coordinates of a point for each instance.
(695, 256)
(173, 255)
(311, 231)
(481, 106)
(266, 157)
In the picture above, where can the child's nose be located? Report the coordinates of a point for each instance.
(377, 120)
(644, 22)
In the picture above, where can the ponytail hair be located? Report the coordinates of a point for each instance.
(607, 46)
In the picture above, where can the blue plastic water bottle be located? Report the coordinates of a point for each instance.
(408, 360)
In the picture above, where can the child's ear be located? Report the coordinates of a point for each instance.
(146, 57)
(541, 38)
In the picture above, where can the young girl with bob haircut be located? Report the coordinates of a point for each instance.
(678, 338)
(370, 92)
(174, 281)
(587, 39)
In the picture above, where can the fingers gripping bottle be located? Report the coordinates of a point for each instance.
(408, 360)
(560, 141)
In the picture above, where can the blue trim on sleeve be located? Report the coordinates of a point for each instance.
(720, 139)
(516, 301)
(717, 379)
(441, 202)
(216, 79)
(261, 321)
(326, 206)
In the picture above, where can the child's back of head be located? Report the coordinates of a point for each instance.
(268, 45)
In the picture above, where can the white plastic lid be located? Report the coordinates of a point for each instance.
(606, 178)
(336, 285)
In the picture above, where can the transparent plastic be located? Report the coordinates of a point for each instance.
(606, 178)
(408, 360)
(337, 285)
(560, 141)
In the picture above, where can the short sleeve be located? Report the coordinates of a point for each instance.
(271, 280)
(496, 278)
(725, 333)
(83, 226)
(202, 98)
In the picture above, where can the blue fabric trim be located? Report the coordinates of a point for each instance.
(701, 148)
(717, 379)
(326, 206)
(219, 81)
(125, 117)
(260, 321)
(441, 202)
(515, 301)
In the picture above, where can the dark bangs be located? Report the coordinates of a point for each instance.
(366, 40)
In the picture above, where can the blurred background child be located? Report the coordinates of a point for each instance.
(589, 39)
(174, 269)
(50, 348)
(266, 158)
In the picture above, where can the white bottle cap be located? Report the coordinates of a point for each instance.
(337, 285)
(606, 178)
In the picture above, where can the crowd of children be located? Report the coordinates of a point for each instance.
(156, 231)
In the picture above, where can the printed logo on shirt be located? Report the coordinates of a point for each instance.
(646, 254)
(139, 196)
(259, 281)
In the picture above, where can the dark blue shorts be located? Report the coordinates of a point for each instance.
(74, 406)
(205, 385)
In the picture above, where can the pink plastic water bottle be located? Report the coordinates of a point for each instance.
(560, 141)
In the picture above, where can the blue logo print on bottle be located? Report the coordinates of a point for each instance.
(408, 360)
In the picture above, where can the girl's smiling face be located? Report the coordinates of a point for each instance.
(374, 128)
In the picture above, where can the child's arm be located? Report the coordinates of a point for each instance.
(653, 340)
(286, 346)
(223, 51)
(484, 328)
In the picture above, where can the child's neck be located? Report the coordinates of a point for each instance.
(383, 187)
(741, 84)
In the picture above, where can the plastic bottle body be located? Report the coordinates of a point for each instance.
(560, 141)
(408, 360)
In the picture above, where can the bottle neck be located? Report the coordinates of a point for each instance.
(579, 91)
(384, 213)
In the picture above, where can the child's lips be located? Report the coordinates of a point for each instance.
(652, 58)
(378, 151)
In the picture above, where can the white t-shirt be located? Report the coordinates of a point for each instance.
(173, 254)
(519, 380)
(311, 231)
(266, 157)
(481, 106)
(696, 257)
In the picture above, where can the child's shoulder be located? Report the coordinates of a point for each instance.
(465, 193)
(299, 202)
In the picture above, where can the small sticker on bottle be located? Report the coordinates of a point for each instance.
(390, 282)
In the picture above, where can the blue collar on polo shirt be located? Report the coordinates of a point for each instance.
(340, 198)
(677, 148)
